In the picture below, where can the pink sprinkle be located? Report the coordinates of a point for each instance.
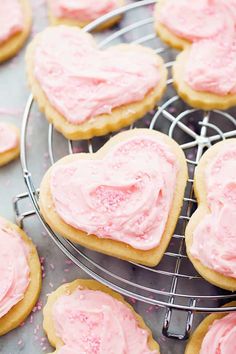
(52, 266)
(150, 309)
(31, 318)
(20, 341)
(36, 329)
(11, 112)
(22, 324)
(7, 182)
(51, 285)
(66, 270)
(132, 300)
(68, 261)
(39, 305)
(42, 259)
(77, 149)
(172, 109)
(44, 348)
(43, 275)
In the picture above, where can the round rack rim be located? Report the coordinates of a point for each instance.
(65, 244)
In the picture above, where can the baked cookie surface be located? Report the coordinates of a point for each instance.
(123, 82)
(183, 22)
(204, 73)
(82, 299)
(211, 230)
(200, 77)
(19, 259)
(132, 192)
(214, 335)
(81, 13)
(9, 143)
(14, 37)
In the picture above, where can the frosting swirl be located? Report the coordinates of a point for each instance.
(93, 322)
(126, 196)
(14, 268)
(11, 19)
(8, 138)
(221, 337)
(214, 238)
(81, 81)
(82, 10)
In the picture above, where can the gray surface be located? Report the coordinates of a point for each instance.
(30, 338)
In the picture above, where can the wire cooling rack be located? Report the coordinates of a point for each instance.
(174, 283)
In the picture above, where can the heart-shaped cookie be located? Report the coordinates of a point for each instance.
(211, 231)
(15, 19)
(85, 91)
(123, 200)
(216, 332)
(82, 12)
(204, 74)
(20, 276)
(183, 22)
(84, 316)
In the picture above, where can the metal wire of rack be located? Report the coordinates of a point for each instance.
(174, 283)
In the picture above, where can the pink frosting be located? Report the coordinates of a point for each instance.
(221, 337)
(210, 24)
(211, 65)
(231, 6)
(11, 19)
(194, 20)
(81, 81)
(8, 138)
(82, 10)
(126, 196)
(214, 239)
(14, 268)
(93, 322)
